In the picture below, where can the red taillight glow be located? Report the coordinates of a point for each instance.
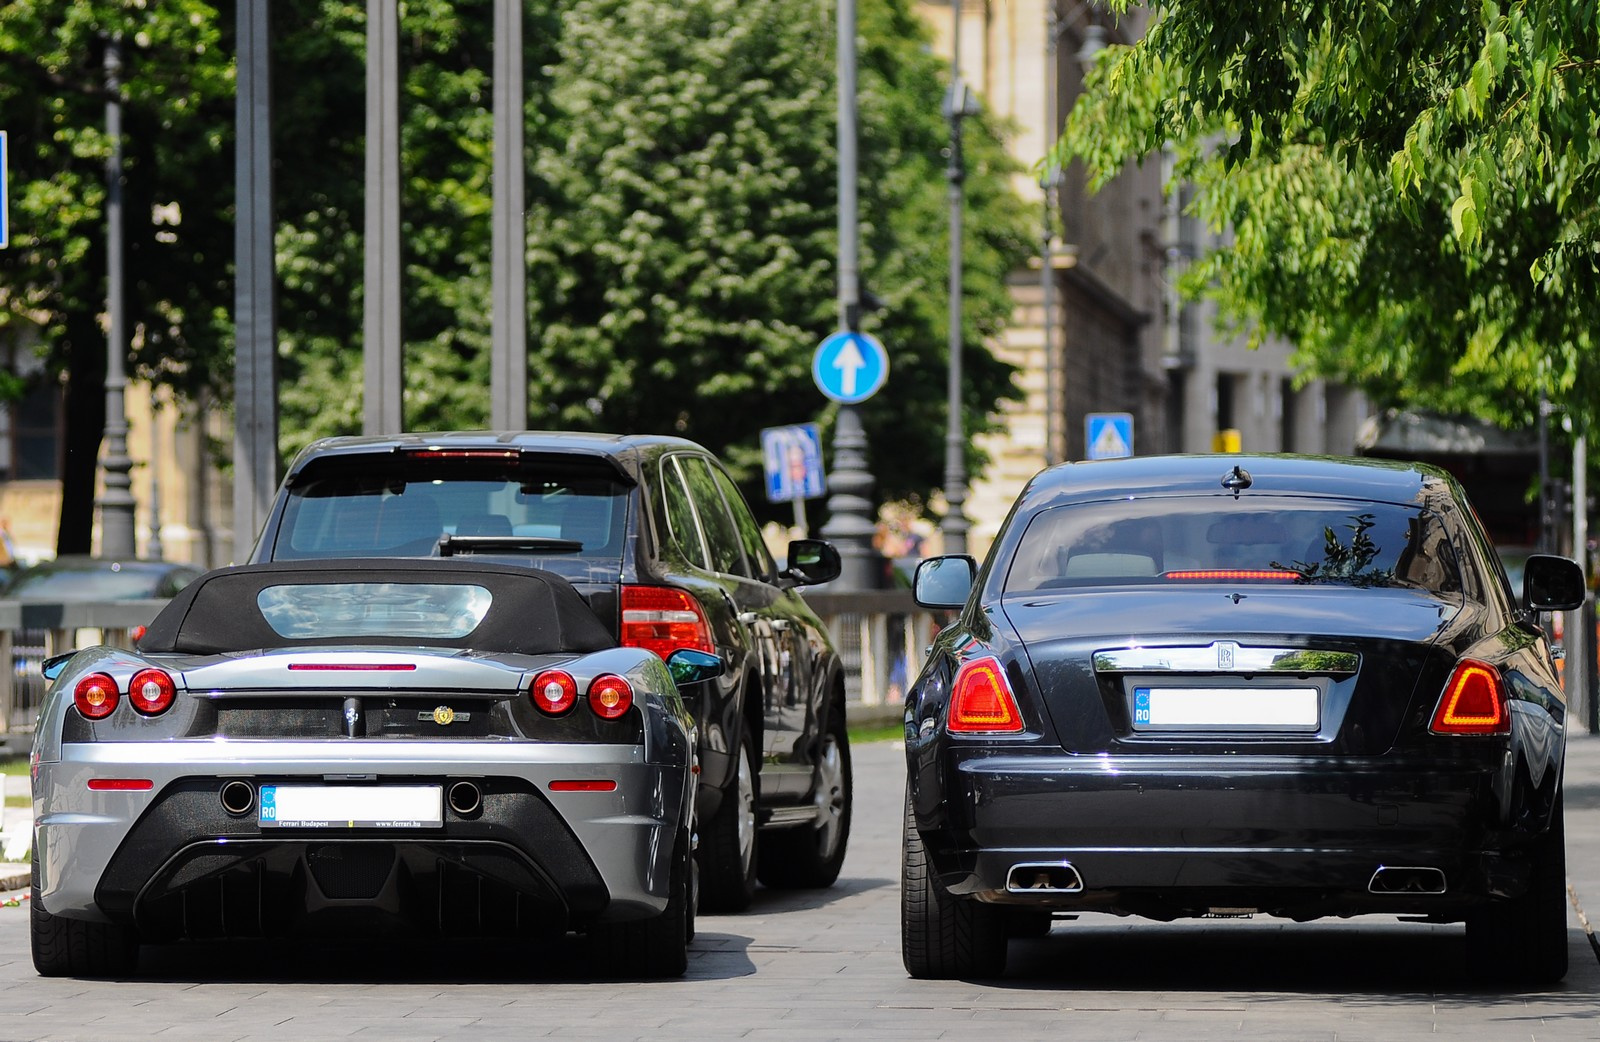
(354, 667)
(151, 691)
(1474, 702)
(554, 692)
(610, 696)
(120, 785)
(1231, 574)
(584, 785)
(664, 619)
(96, 696)
(981, 702)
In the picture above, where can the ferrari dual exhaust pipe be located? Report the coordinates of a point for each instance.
(464, 798)
(238, 797)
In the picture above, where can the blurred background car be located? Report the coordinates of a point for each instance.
(83, 578)
(75, 579)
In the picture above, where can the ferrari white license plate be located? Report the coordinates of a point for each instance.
(1225, 709)
(351, 806)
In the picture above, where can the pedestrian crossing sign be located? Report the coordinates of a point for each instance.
(1109, 435)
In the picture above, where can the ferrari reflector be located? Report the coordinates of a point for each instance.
(1474, 702)
(1226, 709)
(120, 785)
(584, 785)
(351, 806)
(982, 702)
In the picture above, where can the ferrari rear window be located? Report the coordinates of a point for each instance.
(1281, 541)
(355, 610)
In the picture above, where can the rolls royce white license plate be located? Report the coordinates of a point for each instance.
(351, 806)
(1225, 709)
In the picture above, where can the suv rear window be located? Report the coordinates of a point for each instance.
(399, 506)
(1277, 540)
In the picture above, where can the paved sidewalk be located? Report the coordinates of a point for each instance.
(16, 835)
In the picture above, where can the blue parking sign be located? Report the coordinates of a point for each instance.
(792, 459)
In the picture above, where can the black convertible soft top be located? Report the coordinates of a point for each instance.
(532, 612)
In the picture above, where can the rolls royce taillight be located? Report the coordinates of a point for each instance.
(610, 696)
(96, 696)
(554, 692)
(1474, 702)
(981, 701)
(664, 619)
(151, 691)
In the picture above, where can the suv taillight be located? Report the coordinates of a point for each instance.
(664, 619)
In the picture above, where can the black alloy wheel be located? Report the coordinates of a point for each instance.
(1525, 939)
(810, 857)
(74, 948)
(943, 936)
(650, 948)
(728, 845)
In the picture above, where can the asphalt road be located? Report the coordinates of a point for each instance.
(827, 966)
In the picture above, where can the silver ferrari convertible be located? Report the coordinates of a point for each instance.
(438, 747)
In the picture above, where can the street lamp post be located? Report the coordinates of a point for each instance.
(117, 537)
(959, 104)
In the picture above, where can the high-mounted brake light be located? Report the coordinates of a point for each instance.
(554, 692)
(151, 691)
(511, 455)
(1474, 702)
(1232, 574)
(96, 696)
(664, 619)
(610, 696)
(982, 702)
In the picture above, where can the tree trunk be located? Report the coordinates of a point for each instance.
(83, 425)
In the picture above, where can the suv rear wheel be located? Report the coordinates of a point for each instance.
(728, 847)
(810, 856)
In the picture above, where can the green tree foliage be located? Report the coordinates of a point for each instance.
(1412, 190)
(681, 215)
(178, 103)
(682, 225)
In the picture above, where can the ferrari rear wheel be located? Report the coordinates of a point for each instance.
(728, 845)
(651, 948)
(73, 948)
(943, 936)
(809, 857)
(1526, 938)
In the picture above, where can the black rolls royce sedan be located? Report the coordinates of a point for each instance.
(1238, 685)
(660, 543)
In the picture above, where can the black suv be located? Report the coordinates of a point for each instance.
(654, 534)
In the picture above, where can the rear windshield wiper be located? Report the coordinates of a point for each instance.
(450, 545)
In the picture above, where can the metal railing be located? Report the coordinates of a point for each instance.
(882, 638)
(31, 633)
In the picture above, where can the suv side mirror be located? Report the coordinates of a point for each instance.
(944, 582)
(1551, 583)
(812, 562)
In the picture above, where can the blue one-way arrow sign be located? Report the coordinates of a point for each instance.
(850, 367)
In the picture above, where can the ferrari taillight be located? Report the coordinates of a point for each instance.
(1474, 702)
(554, 692)
(151, 691)
(981, 701)
(610, 696)
(96, 696)
(664, 619)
